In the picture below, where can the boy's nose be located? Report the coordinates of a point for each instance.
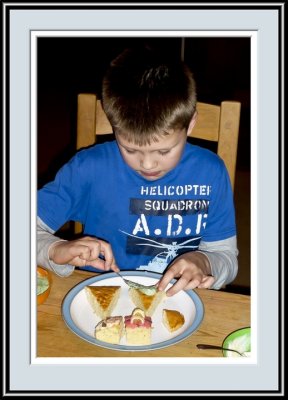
(148, 163)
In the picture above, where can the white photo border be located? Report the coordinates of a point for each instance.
(35, 35)
(25, 373)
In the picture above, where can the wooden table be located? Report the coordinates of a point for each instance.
(224, 312)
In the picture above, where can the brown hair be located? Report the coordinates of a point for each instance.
(145, 95)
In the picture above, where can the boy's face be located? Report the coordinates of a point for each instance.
(157, 159)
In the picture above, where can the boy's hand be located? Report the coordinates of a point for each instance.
(192, 269)
(84, 251)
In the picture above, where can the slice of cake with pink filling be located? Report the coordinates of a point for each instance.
(138, 328)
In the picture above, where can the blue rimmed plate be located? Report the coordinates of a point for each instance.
(79, 317)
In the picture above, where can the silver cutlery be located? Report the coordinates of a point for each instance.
(211, 346)
(148, 290)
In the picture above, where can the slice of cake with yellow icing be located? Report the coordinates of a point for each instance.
(103, 299)
(147, 303)
(172, 319)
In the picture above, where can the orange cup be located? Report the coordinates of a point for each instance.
(44, 273)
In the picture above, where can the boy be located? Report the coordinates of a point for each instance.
(148, 200)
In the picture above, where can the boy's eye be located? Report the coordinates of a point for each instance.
(164, 152)
(130, 151)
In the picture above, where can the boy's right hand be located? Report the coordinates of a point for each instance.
(82, 252)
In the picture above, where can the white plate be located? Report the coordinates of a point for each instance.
(79, 317)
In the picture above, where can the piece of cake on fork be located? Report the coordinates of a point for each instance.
(147, 303)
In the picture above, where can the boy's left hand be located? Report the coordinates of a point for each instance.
(192, 269)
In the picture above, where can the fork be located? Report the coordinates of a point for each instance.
(148, 290)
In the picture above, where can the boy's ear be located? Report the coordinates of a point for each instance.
(192, 123)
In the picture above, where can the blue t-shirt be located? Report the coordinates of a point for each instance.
(148, 223)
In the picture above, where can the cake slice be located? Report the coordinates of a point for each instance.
(145, 302)
(110, 330)
(138, 328)
(172, 319)
(103, 299)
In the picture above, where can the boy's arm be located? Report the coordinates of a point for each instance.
(222, 256)
(45, 239)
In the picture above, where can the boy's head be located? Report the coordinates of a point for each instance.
(147, 96)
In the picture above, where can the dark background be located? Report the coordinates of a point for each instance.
(68, 66)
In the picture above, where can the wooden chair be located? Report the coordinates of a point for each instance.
(216, 123)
